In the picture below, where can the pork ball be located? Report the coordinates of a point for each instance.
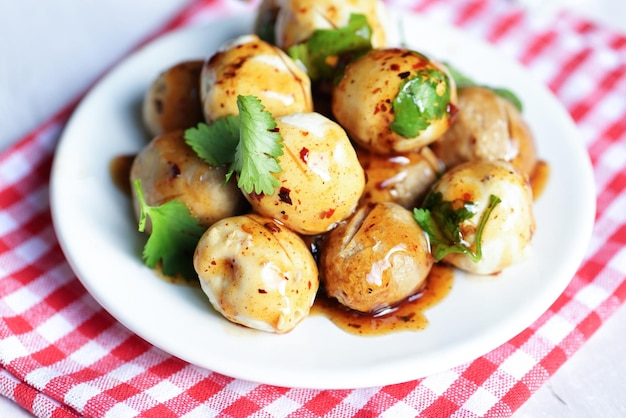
(169, 169)
(249, 66)
(487, 127)
(257, 273)
(321, 179)
(173, 100)
(400, 178)
(376, 259)
(394, 100)
(509, 227)
(296, 20)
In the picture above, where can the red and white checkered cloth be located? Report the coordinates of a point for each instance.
(62, 355)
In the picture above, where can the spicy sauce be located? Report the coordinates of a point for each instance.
(119, 169)
(539, 178)
(407, 316)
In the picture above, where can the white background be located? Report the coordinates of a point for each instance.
(52, 51)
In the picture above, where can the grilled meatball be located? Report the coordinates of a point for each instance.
(257, 273)
(376, 259)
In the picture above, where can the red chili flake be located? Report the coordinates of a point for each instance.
(276, 129)
(262, 291)
(394, 67)
(304, 133)
(304, 155)
(327, 213)
(257, 196)
(404, 74)
(284, 195)
(467, 197)
(272, 227)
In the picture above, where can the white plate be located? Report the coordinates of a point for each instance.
(97, 233)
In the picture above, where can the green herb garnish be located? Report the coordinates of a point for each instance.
(322, 49)
(215, 143)
(175, 234)
(249, 143)
(441, 220)
(259, 146)
(461, 80)
(422, 98)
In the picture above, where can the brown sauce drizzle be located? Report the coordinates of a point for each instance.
(539, 178)
(407, 316)
(119, 169)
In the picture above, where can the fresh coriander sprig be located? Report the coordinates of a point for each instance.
(422, 99)
(174, 236)
(442, 222)
(461, 80)
(318, 53)
(260, 145)
(249, 144)
(215, 143)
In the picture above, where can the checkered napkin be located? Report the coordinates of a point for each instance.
(62, 355)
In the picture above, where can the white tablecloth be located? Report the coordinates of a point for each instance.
(39, 43)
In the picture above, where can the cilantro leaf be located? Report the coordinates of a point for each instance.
(175, 234)
(461, 80)
(441, 220)
(259, 146)
(215, 143)
(326, 45)
(249, 143)
(422, 98)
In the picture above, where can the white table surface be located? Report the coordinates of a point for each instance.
(39, 45)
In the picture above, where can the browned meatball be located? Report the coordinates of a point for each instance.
(487, 127)
(320, 180)
(169, 169)
(296, 20)
(173, 100)
(376, 259)
(246, 65)
(364, 100)
(507, 233)
(400, 178)
(257, 273)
